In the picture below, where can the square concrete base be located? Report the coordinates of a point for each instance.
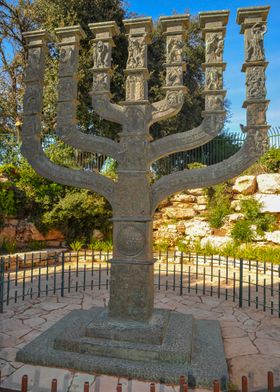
(171, 345)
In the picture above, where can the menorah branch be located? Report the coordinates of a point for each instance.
(253, 148)
(67, 128)
(31, 129)
(33, 152)
(211, 125)
(102, 56)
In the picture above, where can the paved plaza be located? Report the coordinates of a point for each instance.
(251, 339)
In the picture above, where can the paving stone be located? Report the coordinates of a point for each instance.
(238, 347)
(268, 346)
(233, 332)
(79, 380)
(40, 378)
(255, 367)
(33, 322)
(8, 353)
(49, 306)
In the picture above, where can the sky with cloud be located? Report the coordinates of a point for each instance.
(234, 47)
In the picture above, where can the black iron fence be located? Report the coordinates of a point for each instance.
(245, 282)
(220, 148)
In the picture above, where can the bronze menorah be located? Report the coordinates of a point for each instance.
(132, 197)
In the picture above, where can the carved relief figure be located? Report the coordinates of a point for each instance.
(214, 47)
(33, 63)
(174, 51)
(67, 55)
(32, 99)
(255, 43)
(175, 98)
(135, 87)
(174, 76)
(214, 102)
(101, 55)
(214, 79)
(100, 81)
(136, 52)
(256, 83)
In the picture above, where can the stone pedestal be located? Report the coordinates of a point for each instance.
(171, 344)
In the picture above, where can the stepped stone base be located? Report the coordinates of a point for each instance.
(170, 345)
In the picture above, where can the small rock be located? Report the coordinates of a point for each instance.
(197, 228)
(245, 184)
(269, 183)
(273, 236)
(196, 192)
(216, 241)
(182, 213)
(270, 203)
(236, 205)
(235, 217)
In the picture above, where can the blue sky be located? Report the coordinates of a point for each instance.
(234, 47)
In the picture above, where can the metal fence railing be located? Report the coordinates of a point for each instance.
(247, 283)
(220, 148)
(183, 384)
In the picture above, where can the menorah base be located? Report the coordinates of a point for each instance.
(171, 345)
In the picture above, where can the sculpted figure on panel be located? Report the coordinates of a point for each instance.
(136, 53)
(101, 55)
(175, 51)
(256, 83)
(214, 79)
(255, 43)
(214, 47)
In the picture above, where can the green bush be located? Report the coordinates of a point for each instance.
(242, 231)
(77, 245)
(271, 160)
(251, 208)
(218, 204)
(9, 246)
(78, 214)
(36, 245)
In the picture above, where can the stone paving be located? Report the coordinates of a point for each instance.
(251, 338)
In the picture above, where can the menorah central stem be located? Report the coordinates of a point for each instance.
(132, 287)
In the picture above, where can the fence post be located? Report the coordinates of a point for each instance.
(62, 274)
(240, 282)
(181, 275)
(54, 385)
(244, 381)
(270, 382)
(86, 386)
(2, 282)
(24, 383)
(216, 386)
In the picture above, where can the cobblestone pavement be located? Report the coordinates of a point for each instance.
(251, 338)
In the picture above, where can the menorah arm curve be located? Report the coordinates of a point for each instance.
(32, 150)
(255, 145)
(211, 125)
(165, 109)
(95, 144)
(106, 109)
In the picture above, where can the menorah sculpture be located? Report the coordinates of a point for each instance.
(131, 332)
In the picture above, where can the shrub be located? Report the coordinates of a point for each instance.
(218, 204)
(9, 246)
(183, 245)
(242, 231)
(271, 160)
(77, 245)
(36, 245)
(162, 245)
(78, 213)
(251, 208)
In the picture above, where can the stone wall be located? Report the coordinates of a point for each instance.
(23, 232)
(185, 214)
